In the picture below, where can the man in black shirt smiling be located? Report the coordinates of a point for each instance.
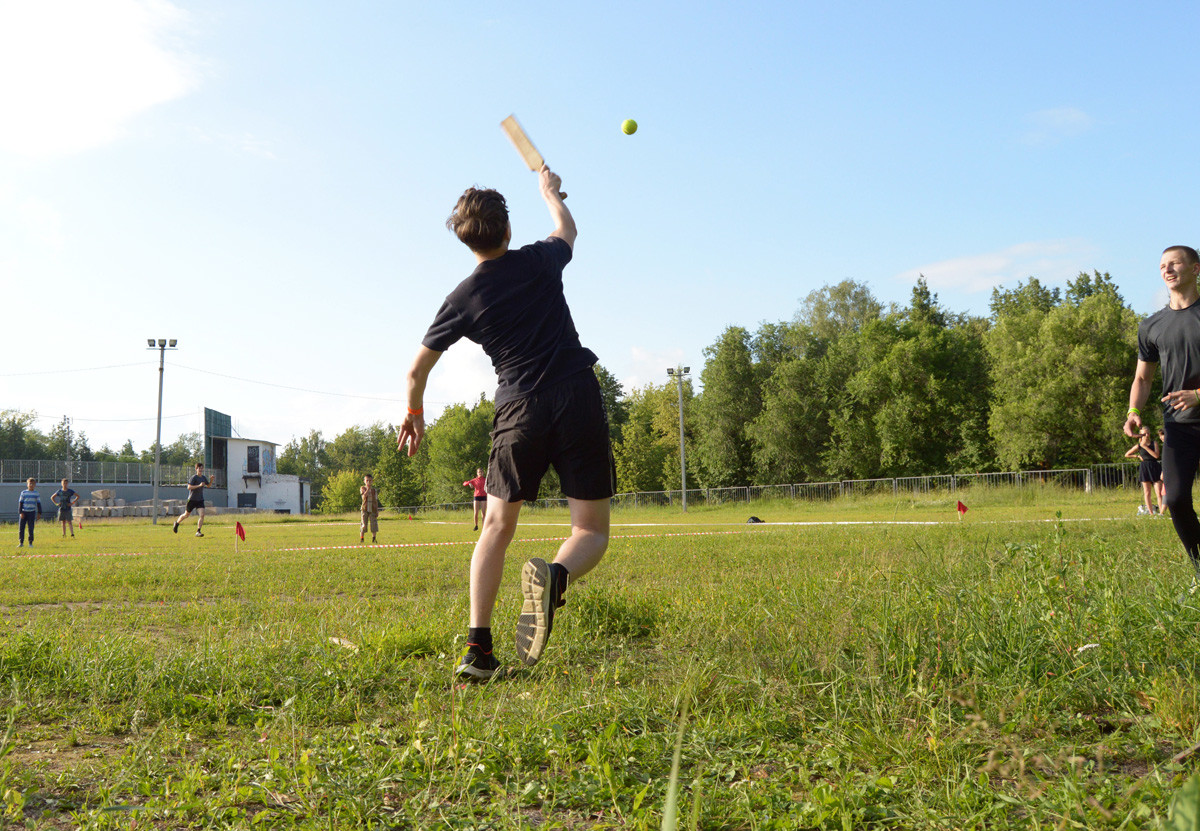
(1171, 337)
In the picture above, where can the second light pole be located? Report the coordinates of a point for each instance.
(161, 345)
(679, 373)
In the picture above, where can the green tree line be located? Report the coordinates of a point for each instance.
(848, 388)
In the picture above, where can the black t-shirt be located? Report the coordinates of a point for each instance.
(514, 307)
(1171, 338)
(198, 494)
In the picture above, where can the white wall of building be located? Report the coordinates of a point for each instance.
(251, 476)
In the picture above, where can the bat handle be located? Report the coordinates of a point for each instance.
(562, 194)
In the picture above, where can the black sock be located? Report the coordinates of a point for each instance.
(480, 638)
(561, 578)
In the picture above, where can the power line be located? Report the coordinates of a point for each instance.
(109, 420)
(286, 387)
(62, 371)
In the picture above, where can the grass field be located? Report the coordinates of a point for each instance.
(856, 664)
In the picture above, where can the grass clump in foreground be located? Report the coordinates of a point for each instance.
(1001, 673)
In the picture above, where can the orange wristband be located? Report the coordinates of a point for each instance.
(418, 411)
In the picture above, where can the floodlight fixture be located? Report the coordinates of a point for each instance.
(150, 342)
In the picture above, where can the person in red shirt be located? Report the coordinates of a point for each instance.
(480, 494)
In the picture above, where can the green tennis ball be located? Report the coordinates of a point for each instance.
(629, 126)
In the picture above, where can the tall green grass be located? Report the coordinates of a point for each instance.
(1015, 669)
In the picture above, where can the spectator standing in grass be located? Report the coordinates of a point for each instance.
(549, 411)
(479, 485)
(369, 508)
(1149, 470)
(65, 499)
(29, 506)
(1171, 337)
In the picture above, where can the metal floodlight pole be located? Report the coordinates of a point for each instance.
(678, 373)
(161, 345)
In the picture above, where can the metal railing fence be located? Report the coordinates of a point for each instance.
(94, 473)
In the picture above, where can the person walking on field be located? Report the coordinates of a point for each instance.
(369, 508)
(65, 498)
(196, 486)
(1149, 470)
(29, 506)
(549, 411)
(1171, 337)
(479, 484)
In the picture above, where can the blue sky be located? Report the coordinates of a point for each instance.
(267, 182)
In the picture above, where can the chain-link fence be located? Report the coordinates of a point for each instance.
(1087, 479)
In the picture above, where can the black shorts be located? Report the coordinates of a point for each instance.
(564, 425)
(481, 499)
(193, 504)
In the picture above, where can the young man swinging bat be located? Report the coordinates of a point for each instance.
(549, 411)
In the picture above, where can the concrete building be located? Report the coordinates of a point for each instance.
(247, 467)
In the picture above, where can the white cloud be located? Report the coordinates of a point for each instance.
(461, 374)
(1052, 261)
(1050, 126)
(647, 367)
(77, 71)
(31, 235)
(246, 143)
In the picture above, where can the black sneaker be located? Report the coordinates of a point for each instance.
(199, 534)
(537, 612)
(478, 666)
(175, 528)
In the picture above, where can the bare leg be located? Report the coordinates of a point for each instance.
(1147, 491)
(200, 520)
(1160, 490)
(581, 551)
(487, 561)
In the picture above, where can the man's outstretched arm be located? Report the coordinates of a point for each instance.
(564, 224)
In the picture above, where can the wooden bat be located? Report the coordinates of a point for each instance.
(524, 146)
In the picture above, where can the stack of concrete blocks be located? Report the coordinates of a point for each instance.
(104, 503)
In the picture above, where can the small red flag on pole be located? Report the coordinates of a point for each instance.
(241, 532)
(962, 509)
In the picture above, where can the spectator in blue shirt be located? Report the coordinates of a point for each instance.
(30, 507)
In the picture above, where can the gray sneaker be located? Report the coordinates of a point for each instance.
(537, 612)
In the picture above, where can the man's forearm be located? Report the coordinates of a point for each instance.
(1138, 392)
(564, 222)
(418, 376)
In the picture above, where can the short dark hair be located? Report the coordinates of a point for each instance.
(480, 219)
(1188, 251)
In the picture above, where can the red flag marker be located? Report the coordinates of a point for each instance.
(241, 532)
(962, 509)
